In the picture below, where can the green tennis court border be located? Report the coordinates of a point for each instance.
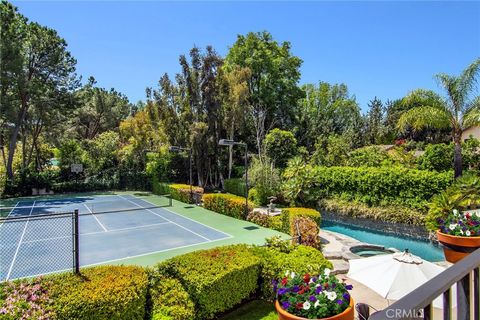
(240, 231)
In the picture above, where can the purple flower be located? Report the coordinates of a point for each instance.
(282, 291)
(285, 305)
(318, 290)
(313, 298)
(334, 285)
(340, 301)
(314, 279)
(346, 296)
(295, 288)
(349, 287)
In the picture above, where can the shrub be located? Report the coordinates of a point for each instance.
(277, 259)
(181, 192)
(235, 186)
(169, 299)
(25, 299)
(355, 209)
(105, 292)
(265, 178)
(373, 186)
(437, 157)
(259, 218)
(289, 215)
(227, 204)
(370, 156)
(216, 279)
(307, 233)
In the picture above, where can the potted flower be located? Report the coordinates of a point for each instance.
(313, 297)
(459, 234)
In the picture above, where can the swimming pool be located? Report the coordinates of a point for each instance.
(423, 249)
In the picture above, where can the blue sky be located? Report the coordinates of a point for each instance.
(382, 49)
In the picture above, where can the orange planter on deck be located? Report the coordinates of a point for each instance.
(347, 314)
(456, 248)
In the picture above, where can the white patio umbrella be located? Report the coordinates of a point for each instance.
(394, 275)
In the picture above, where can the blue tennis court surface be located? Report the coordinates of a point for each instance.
(111, 228)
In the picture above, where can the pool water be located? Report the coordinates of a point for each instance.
(423, 249)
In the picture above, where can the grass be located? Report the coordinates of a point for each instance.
(256, 309)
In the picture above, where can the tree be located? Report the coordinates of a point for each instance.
(325, 110)
(37, 70)
(280, 146)
(101, 110)
(375, 128)
(235, 105)
(272, 85)
(458, 111)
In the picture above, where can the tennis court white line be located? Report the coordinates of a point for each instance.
(93, 214)
(165, 218)
(97, 232)
(19, 244)
(229, 236)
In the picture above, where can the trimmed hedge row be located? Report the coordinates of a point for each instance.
(105, 292)
(369, 185)
(178, 191)
(197, 285)
(216, 279)
(227, 204)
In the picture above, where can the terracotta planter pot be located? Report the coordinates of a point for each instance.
(345, 315)
(456, 248)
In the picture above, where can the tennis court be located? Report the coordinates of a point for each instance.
(34, 241)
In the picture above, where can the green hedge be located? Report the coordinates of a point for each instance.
(169, 300)
(179, 192)
(369, 185)
(227, 204)
(235, 186)
(105, 292)
(216, 279)
(289, 215)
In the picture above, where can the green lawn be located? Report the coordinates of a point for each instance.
(254, 310)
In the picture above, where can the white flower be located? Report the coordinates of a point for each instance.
(452, 226)
(326, 272)
(461, 231)
(317, 304)
(311, 281)
(477, 214)
(317, 285)
(287, 273)
(455, 212)
(292, 274)
(306, 305)
(331, 295)
(467, 233)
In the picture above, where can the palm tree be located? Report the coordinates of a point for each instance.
(457, 111)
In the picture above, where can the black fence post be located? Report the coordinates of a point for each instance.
(76, 254)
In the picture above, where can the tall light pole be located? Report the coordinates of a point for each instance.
(228, 142)
(189, 150)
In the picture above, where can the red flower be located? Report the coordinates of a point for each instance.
(284, 281)
(299, 305)
(468, 216)
(306, 278)
(302, 290)
(325, 285)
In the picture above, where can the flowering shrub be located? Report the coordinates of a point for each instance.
(465, 224)
(25, 300)
(313, 297)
